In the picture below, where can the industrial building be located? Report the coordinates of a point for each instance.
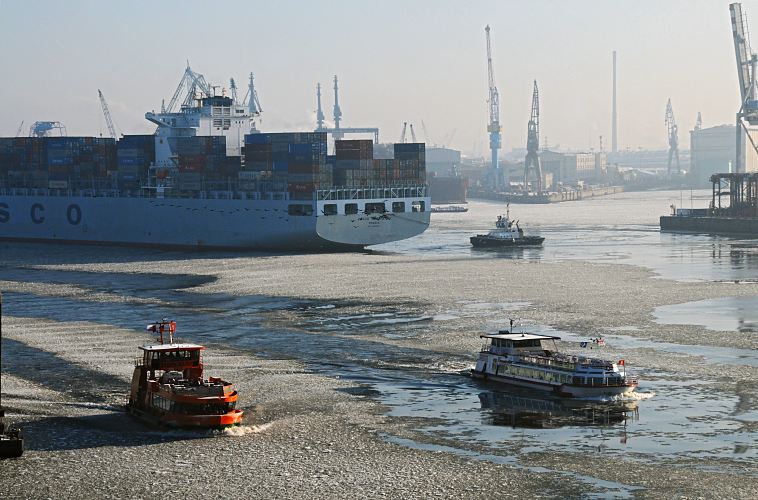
(572, 168)
(445, 181)
(713, 151)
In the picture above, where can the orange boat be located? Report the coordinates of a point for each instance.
(168, 386)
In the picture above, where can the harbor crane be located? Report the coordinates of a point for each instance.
(413, 134)
(494, 110)
(699, 122)
(337, 111)
(233, 90)
(107, 115)
(402, 134)
(426, 134)
(746, 65)
(20, 128)
(339, 132)
(673, 138)
(254, 108)
(319, 112)
(532, 160)
(193, 82)
(45, 129)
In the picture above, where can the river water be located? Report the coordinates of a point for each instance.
(383, 347)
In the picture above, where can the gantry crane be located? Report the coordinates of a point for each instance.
(20, 128)
(194, 82)
(413, 134)
(339, 132)
(532, 160)
(233, 90)
(337, 111)
(254, 108)
(319, 112)
(746, 64)
(45, 129)
(107, 115)
(402, 134)
(494, 108)
(673, 137)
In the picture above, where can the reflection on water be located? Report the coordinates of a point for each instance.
(517, 408)
(739, 314)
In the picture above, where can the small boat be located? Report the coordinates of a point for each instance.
(11, 440)
(168, 386)
(520, 359)
(449, 209)
(507, 233)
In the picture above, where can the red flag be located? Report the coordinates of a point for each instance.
(621, 362)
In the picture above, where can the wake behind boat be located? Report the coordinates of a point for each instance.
(520, 359)
(507, 233)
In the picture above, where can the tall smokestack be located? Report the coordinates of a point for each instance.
(614, 138)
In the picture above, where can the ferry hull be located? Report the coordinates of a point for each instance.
(187, 421)
(558, 389)
(198, 223)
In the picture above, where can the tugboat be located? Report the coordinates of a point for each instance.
(507, 233)
(520, 359)
(11, 441)
(168, 386)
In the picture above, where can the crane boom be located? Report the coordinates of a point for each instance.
(494, 110)
(107, 114)
(742, 49)
(413, 134)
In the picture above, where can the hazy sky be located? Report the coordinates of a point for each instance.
(406, 60)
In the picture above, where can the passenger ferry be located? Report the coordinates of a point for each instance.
(520, 359)
(168, 386)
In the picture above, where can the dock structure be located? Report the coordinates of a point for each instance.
(742, 190)
(737, 216)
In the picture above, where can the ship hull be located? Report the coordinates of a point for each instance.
(183, 421)
(482, 241)
(199, 223)
(566, 390)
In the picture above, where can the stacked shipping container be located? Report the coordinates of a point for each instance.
(52, 162)
(293, 162)
(411, 162)
(134, 155)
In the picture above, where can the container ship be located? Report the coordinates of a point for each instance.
(207, 178)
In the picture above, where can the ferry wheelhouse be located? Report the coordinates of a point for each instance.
(520, 359)
(168, 386)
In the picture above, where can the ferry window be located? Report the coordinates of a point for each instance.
(351, 208)
(330, 209)
(418, 206)
(398, 206)
(375, 208)
(304, 210)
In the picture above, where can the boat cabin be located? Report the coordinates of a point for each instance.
(172, 357)
(504, 343)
